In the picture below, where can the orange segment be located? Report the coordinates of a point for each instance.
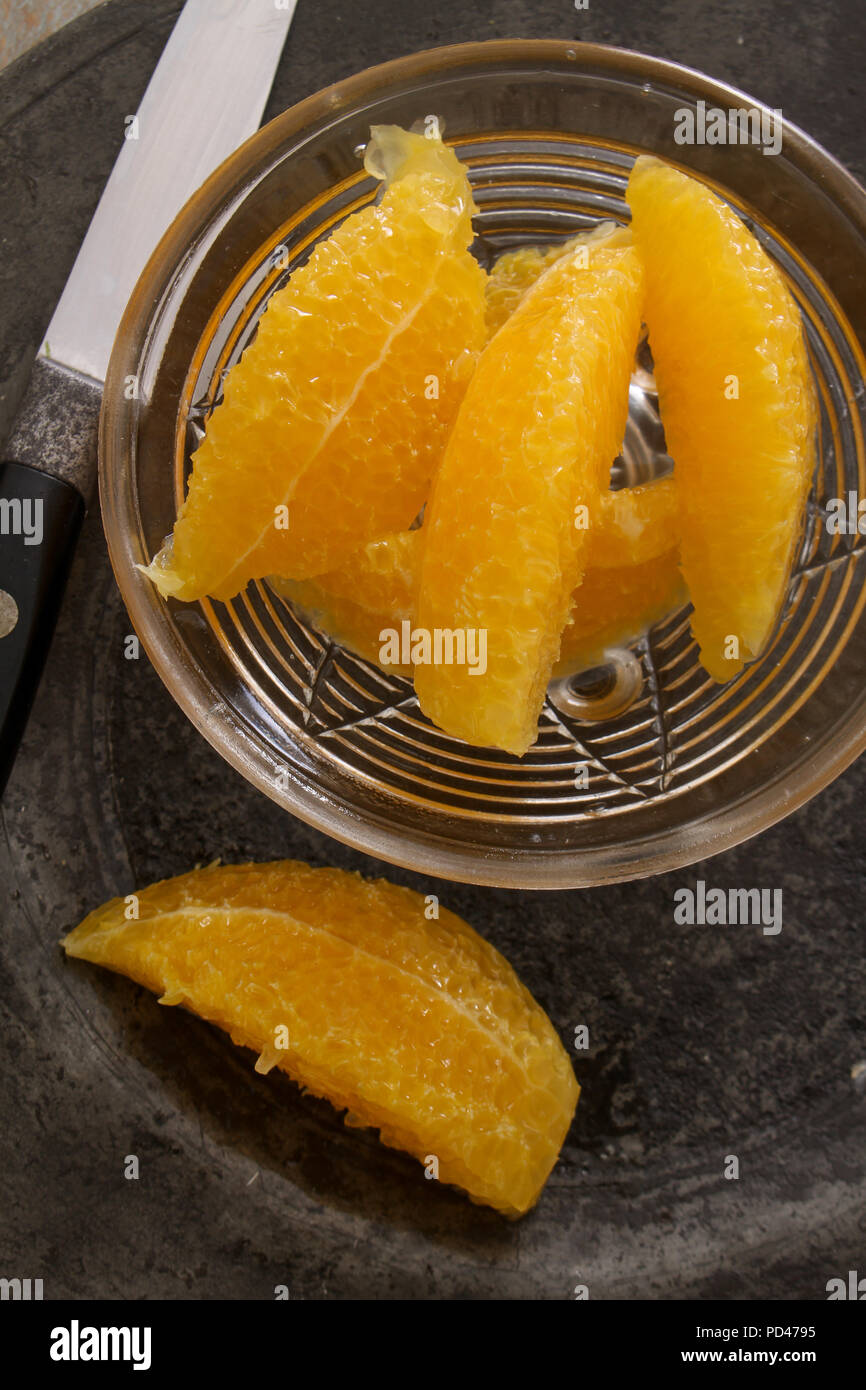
(417, 1027)
(738, 403)
(616, 605)
(511, 276)
(539, 426)
(334, 419)
(377, 588)
(634, 524)
(515, 271)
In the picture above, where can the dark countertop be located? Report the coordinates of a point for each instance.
(704, 1041)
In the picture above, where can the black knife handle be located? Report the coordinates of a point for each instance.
(40, 518)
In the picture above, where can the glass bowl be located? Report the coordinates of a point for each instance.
(679, 768)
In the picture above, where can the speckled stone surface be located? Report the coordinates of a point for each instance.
(24, 23)
(704, 1042)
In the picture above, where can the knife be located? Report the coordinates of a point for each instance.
(206, 95)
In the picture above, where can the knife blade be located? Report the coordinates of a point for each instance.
(206, 95)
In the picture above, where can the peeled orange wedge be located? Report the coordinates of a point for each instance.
(540, 424)
(738, 403)
(634, 524)
(511, 277)
(410, 1023)
(374, 591)
(616, 605)
(515, 271)
(622, 593)
(334, 419)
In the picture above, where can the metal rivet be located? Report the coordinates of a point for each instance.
(8, 613)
